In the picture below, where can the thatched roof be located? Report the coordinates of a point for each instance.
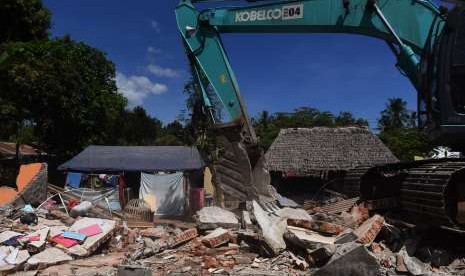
(310, 151)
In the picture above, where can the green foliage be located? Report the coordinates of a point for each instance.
(64, 89)
(396, 115)
(268, 127)
(136, 128)
(398, 131)
(406, 143)
(168, 140)
(23, 20)
(198, 128)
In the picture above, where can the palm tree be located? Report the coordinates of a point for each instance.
(395, 115)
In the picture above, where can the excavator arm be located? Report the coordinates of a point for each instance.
(411, 28)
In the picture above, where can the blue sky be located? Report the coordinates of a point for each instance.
(275, 72)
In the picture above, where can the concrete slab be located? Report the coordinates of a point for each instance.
(11, 258)
(6, 235)
(93, 242)
(292, 213)
(18, 257)
(213, 217)
(273, 228)
(43, 222)
(57, 230)
(346, 236)
(133, 271)
(351, 259)
(25, 273)
(48, 257)
(43, 233)
(414, 265)
(319, 226)
(310, 236)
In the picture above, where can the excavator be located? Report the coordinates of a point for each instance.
(429, 45)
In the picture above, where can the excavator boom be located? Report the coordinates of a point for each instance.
(426, 41)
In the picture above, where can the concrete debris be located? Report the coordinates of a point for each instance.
(291, 213)
(91, 243)
(37, 245)
(355, 216)
(321, 255)
(401, 267)
(214, 217)
(351, 259)
(272, 228)
(48, 257)
(133, 271)
(310, 237)
(319, 226)
(246, 221)
(154, 233)
(298, 262)
(266, 240)
(5, 236)
(346, 236)
(413, 265)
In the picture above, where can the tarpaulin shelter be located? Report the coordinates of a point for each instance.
(165, 192)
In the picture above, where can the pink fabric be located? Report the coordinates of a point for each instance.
(197, 199)
(34, 238)
(91, 230)
(64, 241)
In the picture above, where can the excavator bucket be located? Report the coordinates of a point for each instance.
(240, 173)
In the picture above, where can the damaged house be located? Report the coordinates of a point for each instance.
(304, 159)
(165, 177)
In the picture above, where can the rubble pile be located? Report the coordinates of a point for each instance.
(262, 239)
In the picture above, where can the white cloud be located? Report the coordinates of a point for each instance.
(137, 88)
(153, 50)
(154, 24)
(162, 72)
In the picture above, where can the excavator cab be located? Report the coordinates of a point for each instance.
(448, 87)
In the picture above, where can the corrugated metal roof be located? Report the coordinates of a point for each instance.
(135, 158)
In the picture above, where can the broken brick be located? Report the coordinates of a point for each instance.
(209, 262)
(216, 238)
(368, 231)
(227, 262)
(153, 233)
(184, 237)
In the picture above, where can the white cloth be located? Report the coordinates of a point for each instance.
(164, 193)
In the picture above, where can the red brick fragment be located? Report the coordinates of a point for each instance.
(216, 238)
(368, 231)
(184, 237)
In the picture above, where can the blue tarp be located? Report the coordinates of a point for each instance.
(108, 159)
(74, 180)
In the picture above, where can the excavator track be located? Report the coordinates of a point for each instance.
(432, 191)
(428, 192)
